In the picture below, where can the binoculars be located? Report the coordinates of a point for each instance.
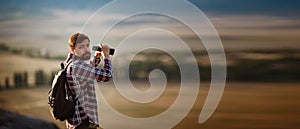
(98, 48)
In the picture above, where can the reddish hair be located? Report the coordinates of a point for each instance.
(77, 38)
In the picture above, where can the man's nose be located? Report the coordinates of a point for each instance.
(87, 49)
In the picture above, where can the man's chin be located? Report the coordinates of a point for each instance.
(86, 57)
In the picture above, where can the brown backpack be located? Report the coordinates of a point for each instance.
(60, 106)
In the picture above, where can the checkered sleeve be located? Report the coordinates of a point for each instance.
(105, 74)
(72, 83)
(96, 61)
(87, 72)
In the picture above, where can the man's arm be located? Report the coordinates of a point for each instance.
(107, 69)
(96, 61)
(86, 72)
(105, 74)
(92, 72)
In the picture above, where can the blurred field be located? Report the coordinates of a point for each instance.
(243, 105)
(10, 63)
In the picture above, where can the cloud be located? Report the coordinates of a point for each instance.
(39, 32)
(278, 8)
(258, 27)
(51, 27)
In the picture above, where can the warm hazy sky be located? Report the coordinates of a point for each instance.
(240, 23)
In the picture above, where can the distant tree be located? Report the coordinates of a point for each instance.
(30, 53)
(17, 79)
(25, 79)
(40, 78)
(3, 47)
(6, 82)
(16, 51)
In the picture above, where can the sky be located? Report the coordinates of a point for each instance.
(241, 24)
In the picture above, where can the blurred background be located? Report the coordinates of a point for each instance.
(260, 38)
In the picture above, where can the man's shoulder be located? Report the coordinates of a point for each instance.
(80, 64)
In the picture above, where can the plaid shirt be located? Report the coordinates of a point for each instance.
(80, 77)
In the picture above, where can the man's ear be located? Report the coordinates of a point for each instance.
(72, 49)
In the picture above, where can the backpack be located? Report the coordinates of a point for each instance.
(59, 105)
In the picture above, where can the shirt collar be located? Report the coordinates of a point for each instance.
(72, 57)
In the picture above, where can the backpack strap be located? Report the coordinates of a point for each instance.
(65, 68)
(67, 64)
(62, 65)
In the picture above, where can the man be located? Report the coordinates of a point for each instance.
(81, 76)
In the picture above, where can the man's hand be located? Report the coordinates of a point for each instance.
(98, 54)
(105, 50)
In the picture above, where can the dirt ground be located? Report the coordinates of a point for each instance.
(243, 105)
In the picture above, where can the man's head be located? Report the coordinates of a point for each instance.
(80, 46)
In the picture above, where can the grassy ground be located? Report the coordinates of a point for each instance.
(243, 106)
